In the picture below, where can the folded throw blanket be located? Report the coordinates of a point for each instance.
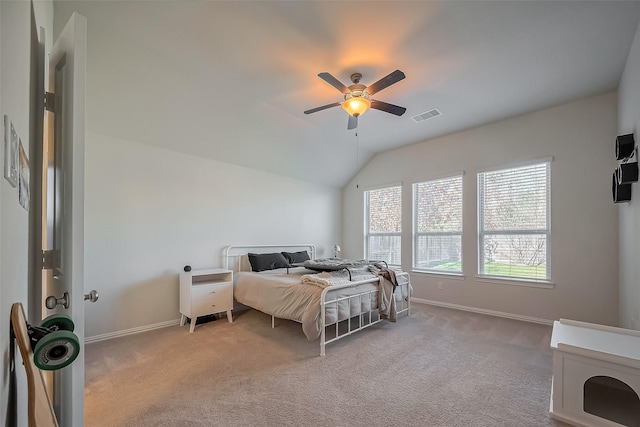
(341, 277)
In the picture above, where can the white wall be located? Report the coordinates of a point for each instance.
(15, 32)
(150, 211)
(629, 122)
(584, 243)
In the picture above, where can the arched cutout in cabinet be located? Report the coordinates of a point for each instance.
(612, 399)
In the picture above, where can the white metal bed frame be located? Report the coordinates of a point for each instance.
(365, 319)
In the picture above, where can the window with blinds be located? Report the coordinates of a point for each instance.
(437, 225)
(383, 224)
(513, 222)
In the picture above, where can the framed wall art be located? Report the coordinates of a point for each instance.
(24, 191)
(10, 152)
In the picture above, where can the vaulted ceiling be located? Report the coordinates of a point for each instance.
(230, 80)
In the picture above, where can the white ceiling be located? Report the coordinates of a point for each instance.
(230, 80)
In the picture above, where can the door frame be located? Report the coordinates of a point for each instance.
(68, 389)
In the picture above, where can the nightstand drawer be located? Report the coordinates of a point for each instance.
(207, 291)
(211, 305)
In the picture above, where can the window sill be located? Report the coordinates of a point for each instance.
(454, 276)
(544, 284)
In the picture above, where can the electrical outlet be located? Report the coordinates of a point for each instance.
(440, 286)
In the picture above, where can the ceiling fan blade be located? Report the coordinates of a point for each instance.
(388, 108)
(353, 122)
(385, 82)
(334, 82)
(324, 107)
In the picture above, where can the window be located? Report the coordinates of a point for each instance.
(437, 225)
(383, 224)
(513, 222)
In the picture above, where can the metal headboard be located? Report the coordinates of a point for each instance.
(233, 255)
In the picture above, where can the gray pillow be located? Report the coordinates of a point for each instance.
(263, 262)
(296, 257)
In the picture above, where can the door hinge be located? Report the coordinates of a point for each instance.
(47, 259)
(50, 101)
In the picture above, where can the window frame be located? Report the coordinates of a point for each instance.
(546, 282)
(367, 231)
(416, 234)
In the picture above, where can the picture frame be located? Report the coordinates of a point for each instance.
(24, 190)
(10, 152)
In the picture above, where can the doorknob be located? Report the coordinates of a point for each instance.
(92, 296)
(51, 302)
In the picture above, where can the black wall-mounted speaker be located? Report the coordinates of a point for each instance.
(625, 145)
(621, 192)
(627, 173)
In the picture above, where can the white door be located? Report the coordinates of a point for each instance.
(63, 204)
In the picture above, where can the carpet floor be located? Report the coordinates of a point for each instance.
(437, 367)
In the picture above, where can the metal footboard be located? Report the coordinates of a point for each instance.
(365, 318)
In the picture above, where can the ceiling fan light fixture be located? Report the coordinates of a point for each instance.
(356, 105)
(357, 97)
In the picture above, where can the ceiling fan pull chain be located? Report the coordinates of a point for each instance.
(357, 160)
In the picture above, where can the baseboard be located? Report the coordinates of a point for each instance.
(131, 331)
(483, 311)
(166, 324)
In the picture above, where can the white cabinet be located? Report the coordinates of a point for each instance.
(204, 292)
(596, 374)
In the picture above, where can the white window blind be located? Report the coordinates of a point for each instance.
(437, 225)
(383, 224)
(513, 222)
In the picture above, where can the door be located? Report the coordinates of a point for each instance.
(63, 205)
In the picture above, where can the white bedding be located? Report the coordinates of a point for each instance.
(285, 296)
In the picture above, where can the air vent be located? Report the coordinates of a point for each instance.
(427, 115)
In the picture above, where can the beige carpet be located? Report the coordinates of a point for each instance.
(438, 367)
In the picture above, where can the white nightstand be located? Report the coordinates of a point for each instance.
(204, 292)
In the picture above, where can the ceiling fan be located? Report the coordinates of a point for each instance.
(357, 97)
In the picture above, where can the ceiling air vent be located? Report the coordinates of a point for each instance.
(427, 115)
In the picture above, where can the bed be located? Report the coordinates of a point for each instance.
(329, 305)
